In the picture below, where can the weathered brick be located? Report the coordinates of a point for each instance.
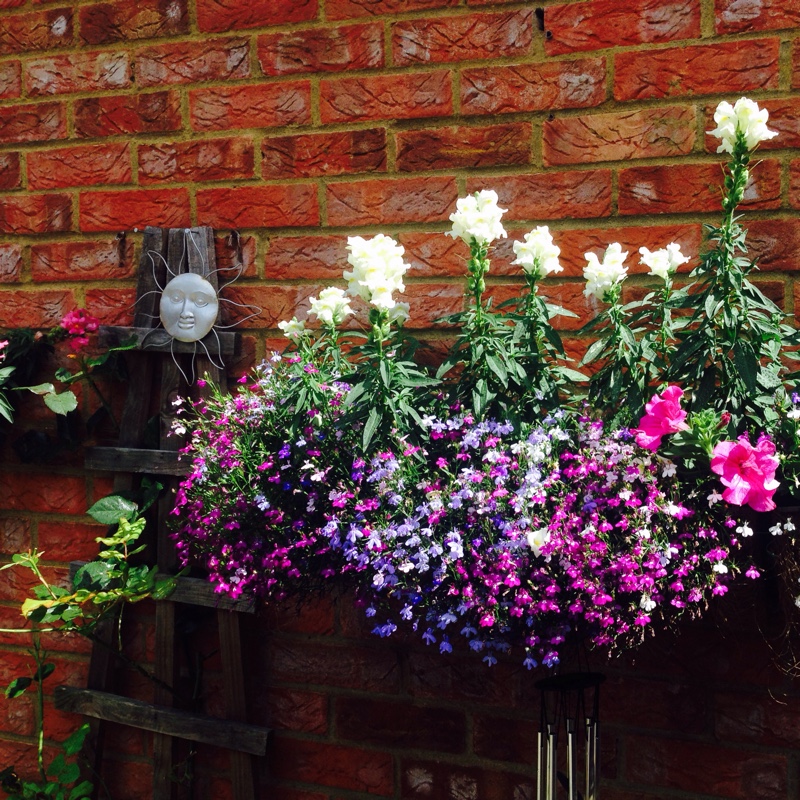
(291, 709)
(547, 195)
(259, 207)
(37, 30)
(322, 49)
(728, 67)
(235, 252)
(344, 9)
(464, 38)
(768, 721)
(127, 20)
(11, 3)
(504, 739)
(10, 265)
(404, 96)
(79, 166)
(42, 309)
(125, 210)
(422, 779)
(784, 117)
(10, 80)
(687, 188)
(218, 15)
(105, 259)
(111, 306)
(390, 201)
(35, 213)
(192, 62)
(733, 16)
(257, 106)
(197, 160)
(794, 183)
(597, 24)
(591, 138)
(33, 123)
(317, 154)
(153, 112)
(533, 87)
(312, 257)
(429, 302)
(433, 254)
(77, 72)
(795, 65)
(774, 243)
(10, 172)
(453, 147)
(68, 541)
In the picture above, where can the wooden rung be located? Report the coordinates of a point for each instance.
(132, 459)
(237, 736)
(221, 343)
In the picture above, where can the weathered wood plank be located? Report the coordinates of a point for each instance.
(237, 736)
(159, 341)
(132, 459)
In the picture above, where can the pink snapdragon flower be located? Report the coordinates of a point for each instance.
(663, 415)
(78, 323)
(747, 472)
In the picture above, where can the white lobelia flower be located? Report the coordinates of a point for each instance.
(331, 307)
(293, 329)
(477, 217)
(664, 262)
(602, 275)
(378, 270)
(647, 604)
(538, 539)
(744, 116)
(537, 255)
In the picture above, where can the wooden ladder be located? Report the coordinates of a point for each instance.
(153, 368)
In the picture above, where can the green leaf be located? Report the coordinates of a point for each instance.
(109, 510)
(42, 388)
(746, 364)
(18, 687)
(593, 352)
(61, 403)
(44, 671)
(6, 411)
(82, 791)
(94, 575)
(496, 366)
(370, 427)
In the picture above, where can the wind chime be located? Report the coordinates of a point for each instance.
(569, 709)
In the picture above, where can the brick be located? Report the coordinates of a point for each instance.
(438, 779)
(10, 80)
(732, 16)
(258, 106)
(784, 117)
(311, 616)
(38, 122)
(193, 62)
(111, 306)
(556, 195)
(774, 244)
(114, 115)
(77, 72)
(590, 138)
(125, 210)
(322, 49)
(399, 725)
(11, 3)
(128, 20)
(738, 66)
(405, 96)
(433, 255)
(504, 739)
(259, 207)
(229, 259)
(108, 260)
(327, 764)
(768, 721)
(217, 15)
(79, 166)
(35, 213)
(689, 188)
(37, 30)
(429, 302)
(68, 541)
(312, 155)
(10, 268)
(533, 87)
(128, 780)
(795, 65)
(378, 202)
(10, 171)
(454, 147)
(597, 24)
(197, 160)
(345, 9)
(794, 183)
(460, 678)
(311, 257)
(464, 38)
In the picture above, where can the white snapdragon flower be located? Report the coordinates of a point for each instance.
(537, 255)
(378, 270)
(744, 116)
(602, 275)
(293, 329)
(538, 539)
(477, 217)
(664, 262)
(331, 307)
(399, 314)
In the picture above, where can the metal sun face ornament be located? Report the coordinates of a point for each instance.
(189, 307)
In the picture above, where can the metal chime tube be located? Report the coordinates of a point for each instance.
(541, 764)
(552, 761)
(572, 761)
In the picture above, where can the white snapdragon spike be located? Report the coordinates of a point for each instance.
(600, 276)
(331, 307)
(746, 116)
(477, 217)
(537, 255)
(293, 329)
(399, 313)
(378, 270)
(663, 262)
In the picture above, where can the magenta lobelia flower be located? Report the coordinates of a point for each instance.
(663, 415)
(747, 472)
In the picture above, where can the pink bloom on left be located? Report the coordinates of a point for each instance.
(78, 323)
(747, 472)
(663, 415)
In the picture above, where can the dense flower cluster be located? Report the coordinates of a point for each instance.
(78, 324)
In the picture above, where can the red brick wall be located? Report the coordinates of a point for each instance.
(299, 122)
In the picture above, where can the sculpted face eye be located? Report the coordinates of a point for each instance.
(189, 307)
(200, 300)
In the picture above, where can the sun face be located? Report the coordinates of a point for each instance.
(189, 307)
